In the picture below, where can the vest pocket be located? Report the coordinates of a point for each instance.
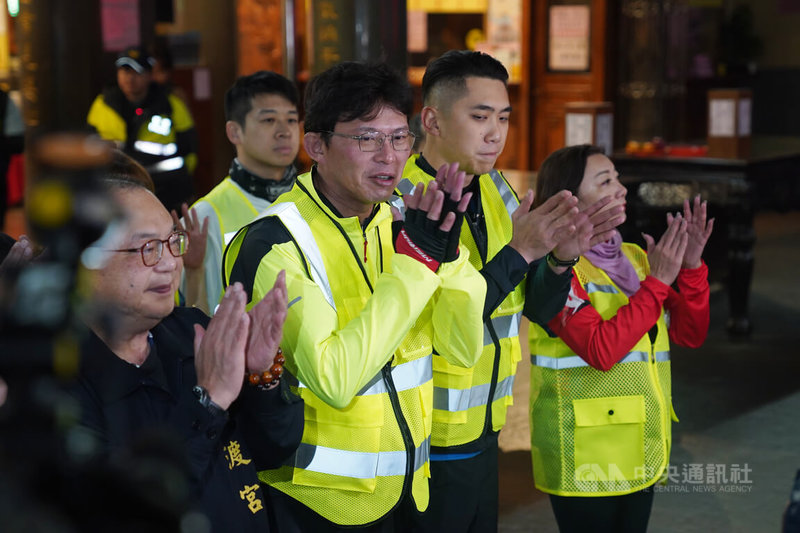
(340, 447)
(609, 438)
(451, 393)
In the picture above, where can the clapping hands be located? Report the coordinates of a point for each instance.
(236, 341)
(698, 230)
(198, 235)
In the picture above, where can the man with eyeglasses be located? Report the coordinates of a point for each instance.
(150, 369)
(372, 306)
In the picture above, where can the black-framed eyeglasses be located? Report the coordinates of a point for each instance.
(151, 251)
(372, 141)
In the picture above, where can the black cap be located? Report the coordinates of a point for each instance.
(135, 58)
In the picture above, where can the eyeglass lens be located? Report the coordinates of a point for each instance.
(373, 141)
(152, 250)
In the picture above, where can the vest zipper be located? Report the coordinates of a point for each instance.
(487, 427)
(364, 234)
(405, 432)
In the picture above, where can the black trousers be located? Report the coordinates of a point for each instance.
(613, 514)
(287, 515)
(463, 495)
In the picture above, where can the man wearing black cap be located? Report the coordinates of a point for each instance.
(149, 124)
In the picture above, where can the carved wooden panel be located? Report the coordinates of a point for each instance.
(260, 24)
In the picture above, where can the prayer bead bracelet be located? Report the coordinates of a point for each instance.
(268, 377)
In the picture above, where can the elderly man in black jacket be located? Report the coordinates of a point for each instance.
(152, 367)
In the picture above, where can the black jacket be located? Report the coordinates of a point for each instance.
(123, 404)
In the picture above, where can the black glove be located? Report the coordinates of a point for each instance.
(421, 238)
(454, 235)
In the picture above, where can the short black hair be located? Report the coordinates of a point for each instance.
(239, 97)
(451, 70)
(563, 169)
(354, 90)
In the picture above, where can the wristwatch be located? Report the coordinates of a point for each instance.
(555, 262)
(205, 400)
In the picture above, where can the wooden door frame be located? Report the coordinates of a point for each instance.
(549, 91)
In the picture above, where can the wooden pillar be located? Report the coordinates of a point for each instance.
(60, 47)
(360, 30)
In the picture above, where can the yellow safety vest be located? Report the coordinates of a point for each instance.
(231, 205)
(596, 433)
(155, 145)
(461, 395)
(353, 463)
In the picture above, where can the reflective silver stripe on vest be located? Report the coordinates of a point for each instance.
(455, 400)
(505, 326)
(167, 165)
(596, 287)
(506, 194)
(405, 376)
(575, 361)
(361, 465)
(300, 230)
(504, 388)
(404, 187)
(154, 148)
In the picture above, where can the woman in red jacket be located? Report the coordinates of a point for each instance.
(601, 404)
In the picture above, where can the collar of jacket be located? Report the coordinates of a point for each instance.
(115, 378)
(260, 187)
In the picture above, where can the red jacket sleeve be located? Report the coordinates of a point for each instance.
(688, 308)
(602, 343)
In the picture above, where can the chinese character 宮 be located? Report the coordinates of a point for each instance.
(249, 494)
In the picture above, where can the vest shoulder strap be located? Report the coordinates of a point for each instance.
(288, 213)
(506, 193)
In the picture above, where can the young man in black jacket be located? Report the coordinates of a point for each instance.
(525, 257)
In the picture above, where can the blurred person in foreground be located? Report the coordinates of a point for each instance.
(12, 141)
(150, 367)
(601, 397)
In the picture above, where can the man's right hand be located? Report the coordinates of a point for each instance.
(219, 350)
(537, 232)
(422, 236)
